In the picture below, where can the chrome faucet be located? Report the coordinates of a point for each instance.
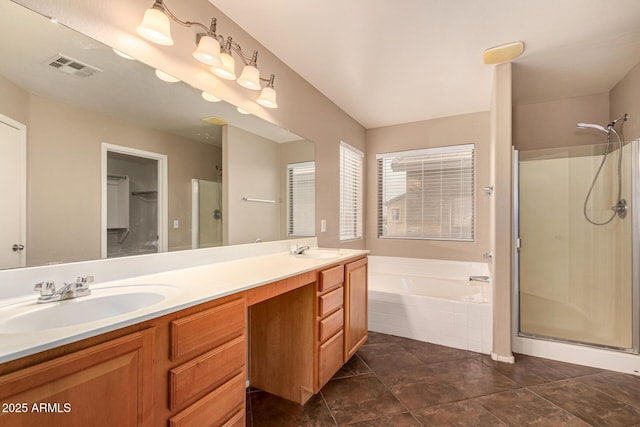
(485, 279)
(48, 292)
(298, 250)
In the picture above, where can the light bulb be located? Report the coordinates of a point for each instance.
(250, 78)
(208, 51)
(267, 98)
(211, 98)
(165, 77)
(228, 69)
(155, 27)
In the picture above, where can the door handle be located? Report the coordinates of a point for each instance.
(17, 247)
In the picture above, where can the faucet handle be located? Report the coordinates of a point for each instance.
(46, 288)
(82, 282)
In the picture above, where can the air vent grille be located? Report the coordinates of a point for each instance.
(71, 66)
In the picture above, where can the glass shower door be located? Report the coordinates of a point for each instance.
(576, 280)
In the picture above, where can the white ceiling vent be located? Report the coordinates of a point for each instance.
(71, 66)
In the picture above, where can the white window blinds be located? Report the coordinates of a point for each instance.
(301, 183)
(350, 192)
(427, 194)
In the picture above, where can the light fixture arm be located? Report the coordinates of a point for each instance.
(212, 49)
(211, 31)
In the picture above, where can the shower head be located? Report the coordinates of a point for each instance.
(592, 126)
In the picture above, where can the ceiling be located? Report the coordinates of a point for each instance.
(386, 62)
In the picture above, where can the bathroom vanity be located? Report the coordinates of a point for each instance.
(189, 366)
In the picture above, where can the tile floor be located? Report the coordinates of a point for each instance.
(397, 382)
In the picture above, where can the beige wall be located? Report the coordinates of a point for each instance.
(64, 166)
(553, 124)
(464, 129)
(624, 98)
(255, 174)
(302, 109)
(14, 101)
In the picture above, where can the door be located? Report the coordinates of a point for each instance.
(355, 315)
(13, 188)
(134, 202)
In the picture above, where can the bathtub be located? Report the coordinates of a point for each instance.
(432, 301)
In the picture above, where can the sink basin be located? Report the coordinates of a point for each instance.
(320, 254)
(101, 304)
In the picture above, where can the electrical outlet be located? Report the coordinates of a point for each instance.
(323, 225)
(176, 223)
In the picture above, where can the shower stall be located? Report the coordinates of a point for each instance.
(576, 278)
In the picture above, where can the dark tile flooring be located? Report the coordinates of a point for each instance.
(397, 382)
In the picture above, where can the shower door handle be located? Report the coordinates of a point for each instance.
(17, 247)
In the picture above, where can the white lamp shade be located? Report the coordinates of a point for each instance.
(155, 27)
(211, 98)
(228, 69)
(208, 51)
(250, 78)
(166, 77)
(242, 110)
(267, 98)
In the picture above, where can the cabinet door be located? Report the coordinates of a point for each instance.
(109, 384)
(355, 321)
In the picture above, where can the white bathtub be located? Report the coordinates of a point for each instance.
(432, 301)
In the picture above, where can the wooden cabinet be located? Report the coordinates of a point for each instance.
(330, 321)
(355, 307)
(188, 368)
(110, 384)
(300, 338)
(207, 387)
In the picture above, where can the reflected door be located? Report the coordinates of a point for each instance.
(206, 214)
(12, 191)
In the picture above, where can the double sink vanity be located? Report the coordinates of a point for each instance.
(178, 348)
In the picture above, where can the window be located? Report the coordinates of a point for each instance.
(350, 192)
(301, 190)
(433, 188)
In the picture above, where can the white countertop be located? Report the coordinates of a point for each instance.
(193, 285)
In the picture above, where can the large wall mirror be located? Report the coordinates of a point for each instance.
(118, 162)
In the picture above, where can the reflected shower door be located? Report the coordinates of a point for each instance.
(207, 214)
(575, 278)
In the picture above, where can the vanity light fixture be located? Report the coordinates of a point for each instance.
(242, 110)
(165, 77)
(212, 50)
(123, 55)
(267, 97)
(210, 98)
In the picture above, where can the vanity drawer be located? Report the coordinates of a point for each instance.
(330, 358)
(331, 278)
(206, 371)
(331, 325)
(208, 328)
(238, 420)
(330, 301)
(216, 408)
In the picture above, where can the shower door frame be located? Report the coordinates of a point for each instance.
(635, 254)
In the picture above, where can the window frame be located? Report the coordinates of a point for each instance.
(291, 226)
(448, 200)
(351, 200)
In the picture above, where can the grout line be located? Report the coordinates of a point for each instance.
(328, 408)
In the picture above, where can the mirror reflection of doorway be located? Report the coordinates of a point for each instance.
(206, 214)
(13, 181)
(133, 195)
